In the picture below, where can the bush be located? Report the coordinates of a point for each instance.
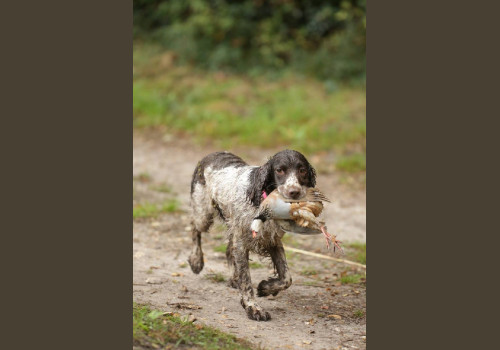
(317, 37)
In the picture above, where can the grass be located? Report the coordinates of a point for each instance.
(255, 265)
(151, 210)
(230, 109)
(161, 188)
(356, 252)
(152, 329)
(215, 277)
(312, 284)
(351, 279)
(220, 248)
(308, 271)
(353, 163)
(358, 314)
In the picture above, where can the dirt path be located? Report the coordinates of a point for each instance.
(316, 312)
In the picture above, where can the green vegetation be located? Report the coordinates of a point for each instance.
(359, 314)
(256, 265)
(215, 277)
(219, 71)
(153, 329)
(353, 163)
(351, 279)
(148, 210)
(356, 252)
(298, 112)
(323, 38)
(220, 248)
(312, 284)
(162, 188)
(308, 271)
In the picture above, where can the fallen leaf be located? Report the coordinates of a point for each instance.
(308, 342)
(153, 281)
(337, 317)
(176, 274)
(325, 307)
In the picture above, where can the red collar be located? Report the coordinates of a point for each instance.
(264, 194)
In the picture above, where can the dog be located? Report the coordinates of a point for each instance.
(225, 186)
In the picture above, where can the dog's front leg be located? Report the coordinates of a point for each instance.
(275, 285)
(242, 275)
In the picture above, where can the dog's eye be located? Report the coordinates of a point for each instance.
(303, 171)
(280, 171)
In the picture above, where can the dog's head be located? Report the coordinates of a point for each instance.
(288, 171)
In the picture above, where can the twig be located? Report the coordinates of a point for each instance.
(305, 252)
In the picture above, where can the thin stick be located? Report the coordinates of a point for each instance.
(305, 252)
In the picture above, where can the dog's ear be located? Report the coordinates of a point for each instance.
(311, 172)
(261, 179)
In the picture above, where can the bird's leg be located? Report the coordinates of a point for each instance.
(328, 238)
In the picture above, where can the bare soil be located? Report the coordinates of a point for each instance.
(316, 312)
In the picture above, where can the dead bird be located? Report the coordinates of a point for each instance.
(295, 215)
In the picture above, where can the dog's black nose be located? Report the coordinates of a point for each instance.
(294, 194)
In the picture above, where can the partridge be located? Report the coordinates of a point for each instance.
(295, 215)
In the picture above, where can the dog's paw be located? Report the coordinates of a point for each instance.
(196, 262)
(268, 287)
(256, 313)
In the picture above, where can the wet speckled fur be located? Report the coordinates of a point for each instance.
(224, 185)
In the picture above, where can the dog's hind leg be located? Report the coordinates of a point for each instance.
(202, 218)
(275, 285)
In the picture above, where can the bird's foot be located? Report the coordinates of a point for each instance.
(328, 238)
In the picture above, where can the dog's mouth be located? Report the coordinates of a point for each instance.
(292, 193)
